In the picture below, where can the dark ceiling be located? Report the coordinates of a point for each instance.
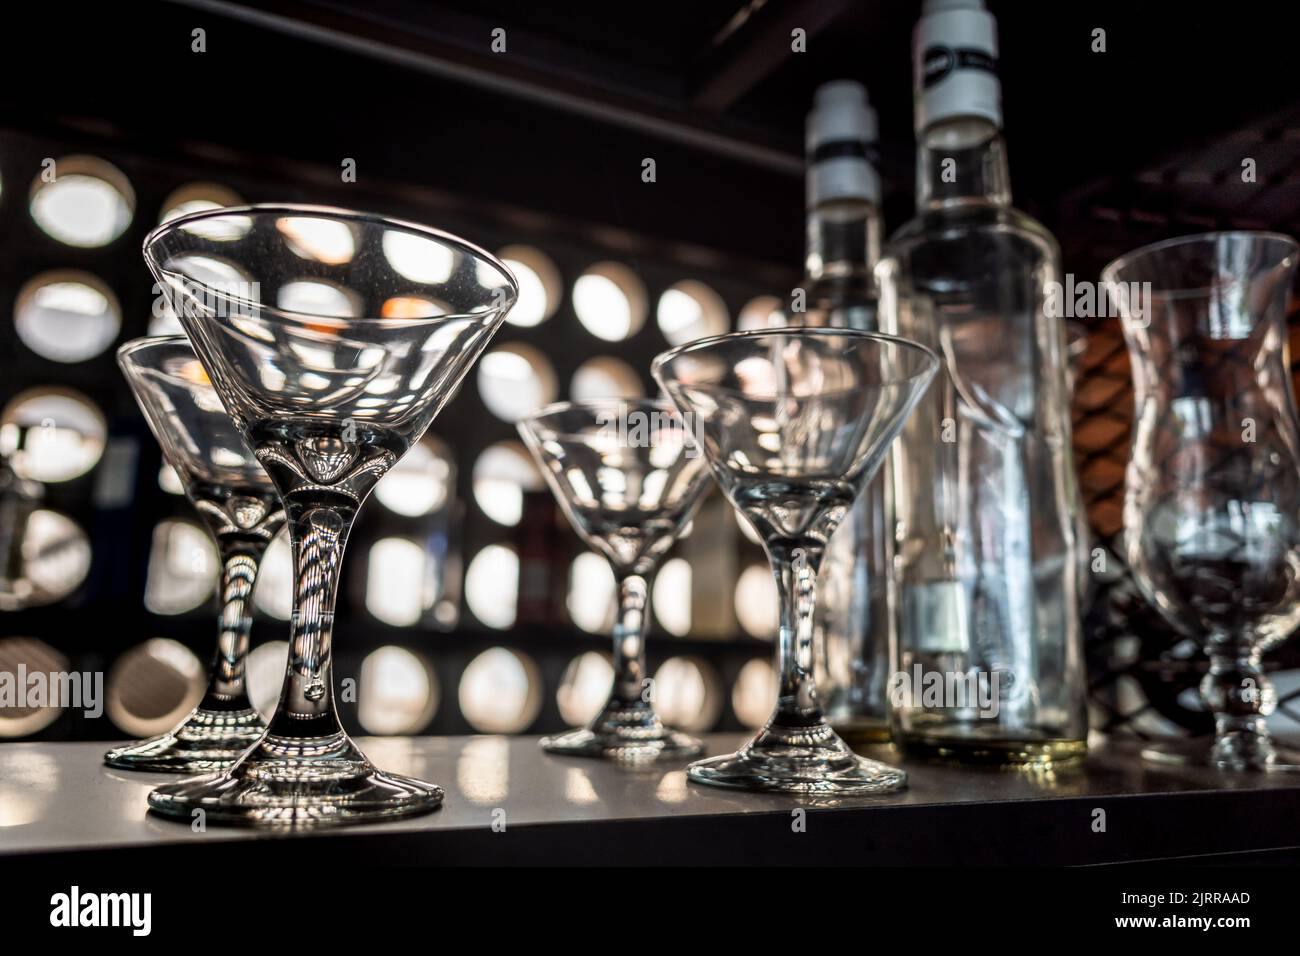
(560, 122)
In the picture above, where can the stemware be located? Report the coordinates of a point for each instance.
(794, 423)
(1212, 491)
(333, 339)
(629, 479)
(238, 504)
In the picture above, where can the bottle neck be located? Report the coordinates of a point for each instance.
(843, 240)
(962, 161)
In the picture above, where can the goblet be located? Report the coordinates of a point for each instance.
(794, 423)
(333, 339)
(629, 479)
(1212, 491)
(240, 507)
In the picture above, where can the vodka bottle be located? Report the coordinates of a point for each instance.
(984, 494)
(843, 194)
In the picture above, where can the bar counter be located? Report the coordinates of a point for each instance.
(509, 803)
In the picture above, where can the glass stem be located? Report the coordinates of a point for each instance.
(1240, 694)
(240, 559)
(317, 536)
(630, 684)
(795, 568)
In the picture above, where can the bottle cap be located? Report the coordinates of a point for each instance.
(955, 63)
(841, 136)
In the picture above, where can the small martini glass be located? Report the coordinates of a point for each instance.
(794, 423)
(240, 507)
(629, 479)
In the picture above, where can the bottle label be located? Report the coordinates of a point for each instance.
(937, 62)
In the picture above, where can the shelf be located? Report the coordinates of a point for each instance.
(57, 798)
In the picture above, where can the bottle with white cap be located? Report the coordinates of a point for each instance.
(852, 624)
(983, 489)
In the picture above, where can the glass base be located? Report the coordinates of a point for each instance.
(204, 742)
(584, 743)
(298, 782)
(626, 734)
(810, 760)
(1030, 754)
(862, 732)
(1231, 755)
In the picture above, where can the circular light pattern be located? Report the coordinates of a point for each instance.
(747, 528)
(690, 310)
(672, 596)
(610, 301)
(540, 286)
(67, 316)
(169, 481)
(411, 307)
(398, 583)
(397, 693)
(273, 592)
(502, 474)
(183, 568)
(318, 240)
(200, 197)
(316, 297)
(754, 693)
(265, 667)
(36, 657)
(421, 482)
(605, 377)
(152, 686)
(592, 597)
(417, 257)
(514, 380)
(52, 434)
(757, 600)
(55, 559)
(584, 688)
(500, 692)
(87, 203)
(688, 694)
(761, 312)
(492, 585)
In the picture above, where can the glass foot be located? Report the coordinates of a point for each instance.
(1232, 754)
(798, 760)
(298, 782)
(666, 745)
(204, 742)
(624, 732)
(627, 733)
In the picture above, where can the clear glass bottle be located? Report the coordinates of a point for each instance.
(983, 485)
(852, 623)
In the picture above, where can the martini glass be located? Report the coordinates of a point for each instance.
(629, 479)
(240, 507)
(333, 339)
(794, 423)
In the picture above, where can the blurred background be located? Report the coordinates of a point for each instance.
(468, 605)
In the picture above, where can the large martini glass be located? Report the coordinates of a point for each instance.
(333, 338)
(629, 479)
(240, 507)
(794, 423)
